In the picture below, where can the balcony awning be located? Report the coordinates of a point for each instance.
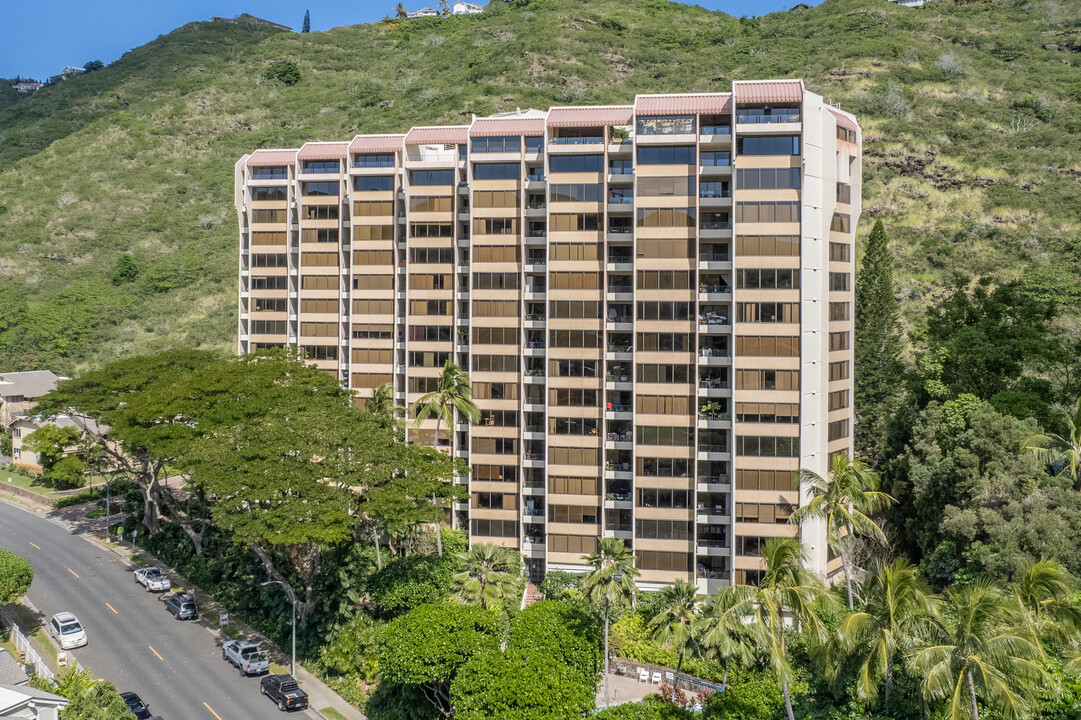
(768, 91)
(591, 116)
(438, 135)
(265, 158)
(376, 143)
(689, 104)
(844, 121)
(323, 151)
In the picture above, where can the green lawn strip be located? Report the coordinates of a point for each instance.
(331, 714)
(30, 482)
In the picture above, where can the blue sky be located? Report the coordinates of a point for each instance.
(39, 40)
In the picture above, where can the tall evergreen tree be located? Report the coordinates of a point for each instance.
(877, 345)
(307, 27)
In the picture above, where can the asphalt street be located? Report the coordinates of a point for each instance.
(176, 667)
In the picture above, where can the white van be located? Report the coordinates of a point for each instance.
(67, 630)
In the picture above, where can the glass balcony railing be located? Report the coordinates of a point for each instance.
(577, 140)
(715, 225)
(715, 257)
(716, 130)
(618, 408)
(762, 119)
(620, 288)
(712, 447)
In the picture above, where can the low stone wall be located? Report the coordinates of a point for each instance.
(632, 668)
(24, 494)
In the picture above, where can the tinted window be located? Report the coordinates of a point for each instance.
(497, 171)
(373, 182)
(677, 155)
(782, 145)
(576, 163)
(433, 177)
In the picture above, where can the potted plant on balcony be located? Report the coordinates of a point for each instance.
(709, 410)
(620, 135)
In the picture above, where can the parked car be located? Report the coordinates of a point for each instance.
(67, 630)
(153, 579)
(246, 657)
(136, 706)
(284, 690)
(182, 607)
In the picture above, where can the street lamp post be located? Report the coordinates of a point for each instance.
(293, 598)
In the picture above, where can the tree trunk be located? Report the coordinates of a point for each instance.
(439, 521)
(888, 684)
(787, 700)
(378, 556)
(606, 701)
(848, 575)
(972, 691)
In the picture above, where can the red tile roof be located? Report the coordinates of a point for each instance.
(323, 151)
(768, 91)
(490, 127)
(376, 143)
(263, 158)
(438, 135)
(844, 121)
(689, 104)
(591, 116)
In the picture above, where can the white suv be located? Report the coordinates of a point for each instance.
(67, 630)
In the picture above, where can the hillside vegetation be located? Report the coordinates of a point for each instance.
(971, 111)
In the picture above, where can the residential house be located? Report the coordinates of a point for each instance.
(909, 3)
(424, 12)
(25, 87)
(19, 390)
(26, 703)
(24, 425)
(466, 8)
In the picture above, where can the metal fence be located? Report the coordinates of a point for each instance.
(35, 664)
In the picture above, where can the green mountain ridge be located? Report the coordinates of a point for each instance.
(972, 140)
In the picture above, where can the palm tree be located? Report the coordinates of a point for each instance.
(722, 631)
(444, 8)
(786, 592)
(1041, 596)
(400, 11)
(382, 403)
(978, 655)
(1062, 450)
(482, 577)
(452, 394)
(675, 622)
(899, 608)
(612, 580)
(846, 502)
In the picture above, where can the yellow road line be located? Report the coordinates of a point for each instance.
(212, 711)
(37, 546)
(156, 653)
(112, 608)
(73, 572)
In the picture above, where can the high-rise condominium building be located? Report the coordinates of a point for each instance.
(653, 301)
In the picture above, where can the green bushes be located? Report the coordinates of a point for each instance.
(287, 73)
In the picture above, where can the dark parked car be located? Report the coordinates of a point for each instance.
(283, 690)
(182, 607)
(136, 706)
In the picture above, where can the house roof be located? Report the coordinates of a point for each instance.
(767, 91)
(844, 121)
(31, 384)
(263, 158)
(376, 143)
(79, 422)
(688, 104)
(591, 116)
(15, 697)
(323, 151)
(11, 672)
(438, 135)
(489, 127)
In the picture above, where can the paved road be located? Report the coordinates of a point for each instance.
(175, 666)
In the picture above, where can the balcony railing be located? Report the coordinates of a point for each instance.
(534, 372)
(618, 496)
(536, 233)
(715, 257)
(713, 447)
(618, 408)
(620, 319)
(535, 429)
(711, 194)
(620, 347)
(713, 574)
(620, 288)
(577, 140)
(535, 177)
(620, 437)
(621, 170)
(714, 289)
(621, 200)
(715, 225)
(535, 344)
(756, 119)
(716, 130)
(533, 513)
(535, 317)
(713, 383)
(714, 352)
(713, 479)
(534, 455)
(713, 542)
(712, 319)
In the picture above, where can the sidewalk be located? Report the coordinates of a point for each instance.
(320, 696)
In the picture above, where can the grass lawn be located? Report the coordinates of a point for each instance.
(30, 482)
(331, 713)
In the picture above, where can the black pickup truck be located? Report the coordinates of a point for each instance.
(283, 690)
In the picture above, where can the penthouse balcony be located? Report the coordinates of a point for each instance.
(771, 120)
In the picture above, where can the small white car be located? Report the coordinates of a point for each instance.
(67, 630)
(153, 579)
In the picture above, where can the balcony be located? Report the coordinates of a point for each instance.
(710, 357)
(713, 483)
(618, 412)
(618, 501)
(715, 170)
(617, 293)
(569, 145)
(621, 176)
(714, 292)
(533, 515)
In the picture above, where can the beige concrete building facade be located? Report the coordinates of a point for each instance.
(653, 301)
